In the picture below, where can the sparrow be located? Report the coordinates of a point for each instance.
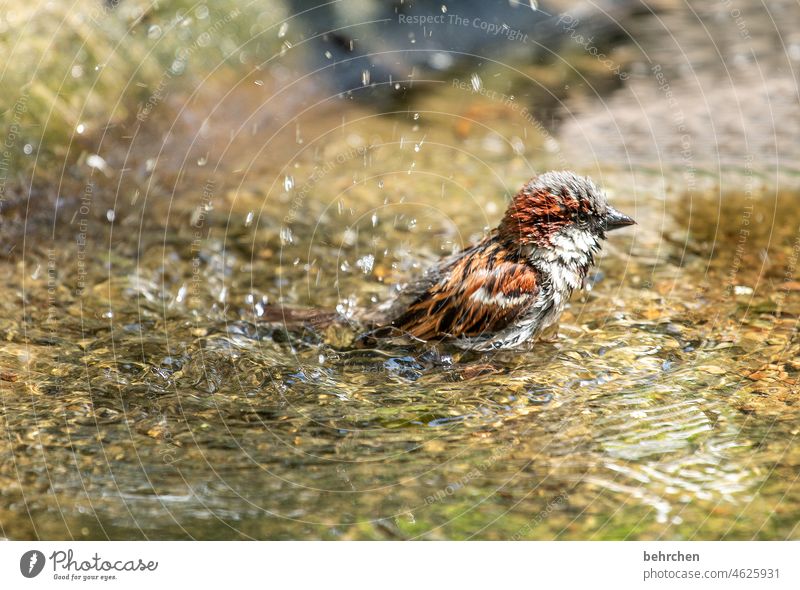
(508, 288)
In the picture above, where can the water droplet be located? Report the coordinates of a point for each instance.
(380, 183)
(154, 32)
(248, 221)
(329, 55)
(96, 162)
(282, 30)
(111, 215)
(350, 236)
(80, 128)
(346, 307)
(444, 9)
(108, 315)
(288, 183)
(287, 237)
(441, 60)
(374, 220)
(202, 161)
(365, 78)
(28, 149)
(77, 71)
(477, 83)
(201, 12)
(355, 140)
(416, 116)
(534, 4)
(365, 263)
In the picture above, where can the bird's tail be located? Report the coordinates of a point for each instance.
(292, 317)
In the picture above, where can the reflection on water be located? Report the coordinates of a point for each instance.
(159, 404)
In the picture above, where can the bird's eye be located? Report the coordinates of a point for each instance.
(583, 218)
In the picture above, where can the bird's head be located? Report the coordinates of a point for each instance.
(560, 210)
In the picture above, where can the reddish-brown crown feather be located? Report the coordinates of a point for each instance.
(535, 215)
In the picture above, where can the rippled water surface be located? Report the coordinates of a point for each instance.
(158, 403)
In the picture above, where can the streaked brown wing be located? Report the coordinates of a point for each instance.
(481, 293)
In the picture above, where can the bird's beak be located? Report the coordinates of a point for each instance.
(615, 219)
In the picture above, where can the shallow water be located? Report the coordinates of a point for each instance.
(156, 404)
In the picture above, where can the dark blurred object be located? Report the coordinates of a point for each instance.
(387, 49)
